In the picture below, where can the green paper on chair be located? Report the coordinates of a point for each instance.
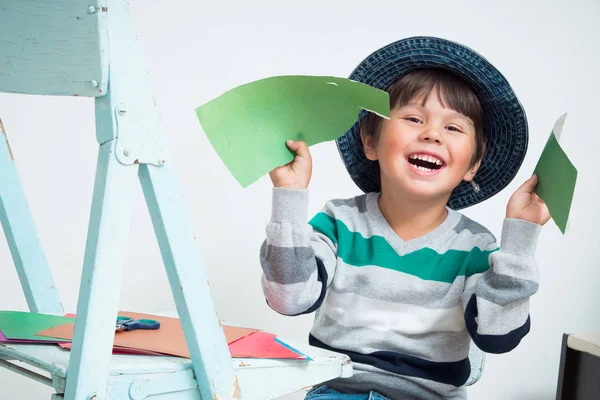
(24, 325)
(248, 125)
(556, 178)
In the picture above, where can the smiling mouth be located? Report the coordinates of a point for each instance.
(425, 162)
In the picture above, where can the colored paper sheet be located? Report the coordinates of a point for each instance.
(284, 344)
(248, 125)
(262, 345)
(254, 345)
(4, 339)
(119, 350)
(557, 177)
(24, 325)
(169, 339)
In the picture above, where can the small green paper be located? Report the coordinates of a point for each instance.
(556, 178)
(24, 325)
(248, 125)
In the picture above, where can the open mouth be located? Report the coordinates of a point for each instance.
(425, 162)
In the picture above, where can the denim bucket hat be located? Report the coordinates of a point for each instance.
(505, 122)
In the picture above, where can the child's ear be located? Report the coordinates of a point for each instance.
(472, 171)
(368, 145)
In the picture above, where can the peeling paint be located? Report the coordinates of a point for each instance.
(237, 393)
(10, 153)
(214, 390)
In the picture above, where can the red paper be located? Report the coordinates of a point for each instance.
(261, 345)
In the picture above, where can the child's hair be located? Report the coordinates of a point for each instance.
(452, 91)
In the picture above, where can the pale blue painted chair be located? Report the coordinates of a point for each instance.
(89, 48)
(477, 359)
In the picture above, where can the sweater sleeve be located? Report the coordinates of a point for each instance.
(496, 302)
(298, 261)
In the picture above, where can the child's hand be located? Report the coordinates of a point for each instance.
(295, 174)
(526, 205)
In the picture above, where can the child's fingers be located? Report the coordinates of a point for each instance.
(299, 147)
(529, 185)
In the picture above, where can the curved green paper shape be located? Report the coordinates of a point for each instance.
(248, 125)
(557, 177)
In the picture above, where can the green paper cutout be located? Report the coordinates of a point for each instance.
(24, 325)
(556, 178)
(248, 125)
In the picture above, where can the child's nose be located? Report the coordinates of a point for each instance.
(431, 135)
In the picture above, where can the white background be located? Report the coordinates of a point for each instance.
(195, 50)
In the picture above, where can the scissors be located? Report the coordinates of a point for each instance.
(130, 324)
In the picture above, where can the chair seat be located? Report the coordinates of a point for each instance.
(147, 375)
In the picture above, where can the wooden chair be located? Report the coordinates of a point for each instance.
(89, 49)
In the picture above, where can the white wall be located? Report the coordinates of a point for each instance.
(195, 50)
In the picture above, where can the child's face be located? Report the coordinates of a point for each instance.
(424, 150)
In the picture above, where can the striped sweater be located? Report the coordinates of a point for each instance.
(404, 311)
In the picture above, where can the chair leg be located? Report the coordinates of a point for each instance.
(97, 306)
(204, 335)
(23, 241)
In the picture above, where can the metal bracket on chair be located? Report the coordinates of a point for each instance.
(135, 143)
(176, 382)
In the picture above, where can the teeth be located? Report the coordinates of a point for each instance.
(423, 169)
(427, 158)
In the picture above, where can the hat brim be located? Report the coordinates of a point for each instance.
(505, 122)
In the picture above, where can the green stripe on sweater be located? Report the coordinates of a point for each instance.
(426, 263)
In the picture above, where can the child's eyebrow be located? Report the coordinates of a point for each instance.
(419, 105)
(454, 114)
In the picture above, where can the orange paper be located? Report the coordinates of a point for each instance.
(168, 339)
(118, 350)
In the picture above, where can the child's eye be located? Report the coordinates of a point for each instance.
(454, 128)
(413, 119)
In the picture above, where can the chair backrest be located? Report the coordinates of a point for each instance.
(56, 47)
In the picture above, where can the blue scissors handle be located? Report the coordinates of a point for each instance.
(130, 324)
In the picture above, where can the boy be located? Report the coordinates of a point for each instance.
(401, 280)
